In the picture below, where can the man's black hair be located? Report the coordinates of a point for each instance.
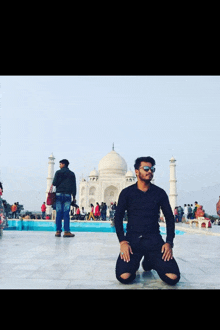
(65, 161)
(143, 159)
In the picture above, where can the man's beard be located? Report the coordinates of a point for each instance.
(142, 178)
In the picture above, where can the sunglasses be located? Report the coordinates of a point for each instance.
(147, 168)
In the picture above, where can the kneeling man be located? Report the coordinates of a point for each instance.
(143, 201)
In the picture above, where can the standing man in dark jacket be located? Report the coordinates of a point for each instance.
(143, 202)
(65, 183)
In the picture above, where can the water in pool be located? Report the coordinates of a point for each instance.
(43, 225)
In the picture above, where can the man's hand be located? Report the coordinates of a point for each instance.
(125, 251)
(167, 252)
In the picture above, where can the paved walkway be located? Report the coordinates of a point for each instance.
(38, 260)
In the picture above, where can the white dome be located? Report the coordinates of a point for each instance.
(130, 174)
(112, 163)
(94, 173)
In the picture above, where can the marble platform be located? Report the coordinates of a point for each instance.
(39, 260)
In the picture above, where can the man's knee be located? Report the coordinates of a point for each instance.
(171, 278)
(125, 276)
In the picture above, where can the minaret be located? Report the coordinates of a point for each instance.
(173, 190)
(50, 179)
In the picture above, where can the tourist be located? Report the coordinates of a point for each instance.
(114, 207)
(176, 213)
(97, 211)
(185, 212)
(199, 212)
(103, 213)
(196, 204)
(26, 216)
(91, 214)
(77, 213)
(18, 211)
(218, 207)
(101, 210)
(195, 209)
(192, 211)
(189, 216)
(180, 213)
(43, 210)
(143, 201)
(111, 211)
(65, 183)
(13, 210)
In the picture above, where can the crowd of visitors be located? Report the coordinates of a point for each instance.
(96, 213)
(12, 211)
(189, 212)
(99, 212)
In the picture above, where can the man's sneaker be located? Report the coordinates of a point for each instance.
(58, 234)
(68, 234)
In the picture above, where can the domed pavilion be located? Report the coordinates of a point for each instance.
(105, 184)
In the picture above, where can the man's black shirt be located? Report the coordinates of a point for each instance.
(143, 210)
(65, 181)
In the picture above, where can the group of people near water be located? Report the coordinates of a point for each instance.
(188, 212)
(99, 212)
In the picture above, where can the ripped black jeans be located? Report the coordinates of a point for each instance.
(148, 246)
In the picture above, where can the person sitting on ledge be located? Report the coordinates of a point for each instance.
(199, 212)
(143, 201)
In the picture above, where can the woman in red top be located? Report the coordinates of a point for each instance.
(97, 210)
(43, 210)
(77, 213)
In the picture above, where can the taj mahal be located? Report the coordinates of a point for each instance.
(106, 183)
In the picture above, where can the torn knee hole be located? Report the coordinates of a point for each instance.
(125, 276)
(171, 276)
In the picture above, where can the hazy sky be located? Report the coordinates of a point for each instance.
(79, 117)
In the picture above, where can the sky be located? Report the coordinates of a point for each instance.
(79, 118)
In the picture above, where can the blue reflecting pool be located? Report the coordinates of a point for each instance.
(49, 225)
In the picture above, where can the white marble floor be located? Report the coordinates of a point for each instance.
(39, 260)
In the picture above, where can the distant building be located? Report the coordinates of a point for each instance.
(105, 184)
